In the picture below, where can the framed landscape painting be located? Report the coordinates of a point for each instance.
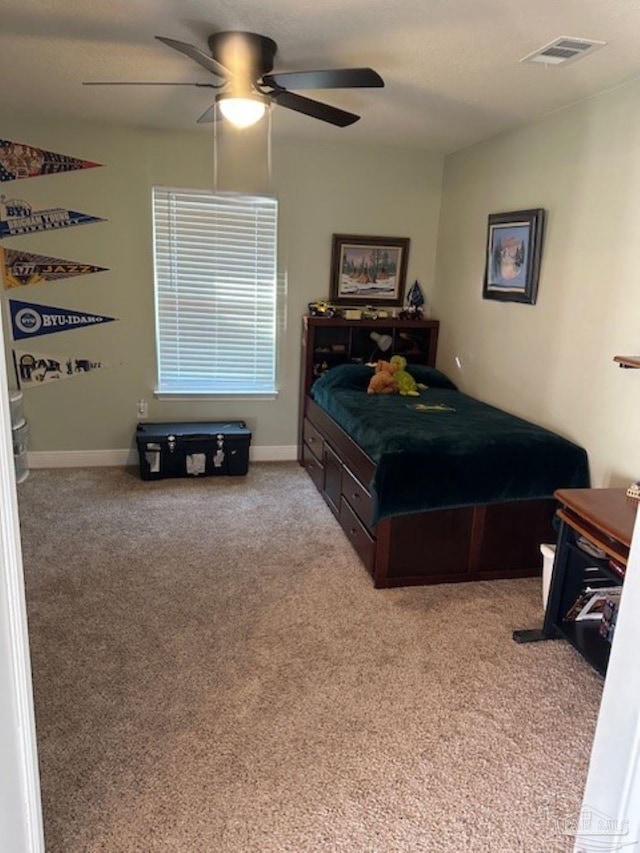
(368, 270)
(514, 249)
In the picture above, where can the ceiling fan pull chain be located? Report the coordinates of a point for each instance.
(269, 179)
(215, 156)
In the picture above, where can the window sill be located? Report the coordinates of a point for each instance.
(194, 397)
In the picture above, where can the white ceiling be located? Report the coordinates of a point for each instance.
(450, 66)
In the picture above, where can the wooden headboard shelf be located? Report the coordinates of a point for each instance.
(327, 342)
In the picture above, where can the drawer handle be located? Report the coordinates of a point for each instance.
(311, 439)
(352, 531)
(356, 496)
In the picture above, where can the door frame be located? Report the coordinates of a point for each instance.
(21, 825)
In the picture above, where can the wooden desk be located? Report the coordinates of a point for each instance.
(608, 514)
(605, 518)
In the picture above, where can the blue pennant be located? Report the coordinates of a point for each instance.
(29, 320)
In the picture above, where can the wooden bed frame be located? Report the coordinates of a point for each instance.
(482, 542)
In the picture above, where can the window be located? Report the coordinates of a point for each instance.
(215, 288)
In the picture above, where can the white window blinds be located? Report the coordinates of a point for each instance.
(215, 277)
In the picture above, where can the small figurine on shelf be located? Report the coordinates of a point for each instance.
(322, 309)
(369, 312)
(634, 490)
(415, 301)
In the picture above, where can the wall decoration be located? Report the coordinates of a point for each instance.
(18, 160)
(29, 320)
(37, 368)
(17, 217)
(513, 252)
(19, 269)
(368, 269)
(415, 300)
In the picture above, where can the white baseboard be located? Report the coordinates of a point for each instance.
(117, 458)
(79, 458)
(274, 453)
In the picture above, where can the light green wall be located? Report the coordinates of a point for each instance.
(552, 362)
(323, 189)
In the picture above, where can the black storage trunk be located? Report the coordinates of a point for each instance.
(193, 449)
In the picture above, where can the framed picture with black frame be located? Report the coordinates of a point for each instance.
(513, 253)
(368, 270)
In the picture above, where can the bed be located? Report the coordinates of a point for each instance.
(440, 487)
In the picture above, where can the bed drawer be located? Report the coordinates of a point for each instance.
(358, 536)
(314, 468)
(313, 439)
(357, 496)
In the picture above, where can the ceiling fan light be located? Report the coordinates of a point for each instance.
(243, 111)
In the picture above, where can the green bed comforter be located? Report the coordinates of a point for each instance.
(444, 448)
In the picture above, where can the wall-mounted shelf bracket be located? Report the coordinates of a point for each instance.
(629, 362)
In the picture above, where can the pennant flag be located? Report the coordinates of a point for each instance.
(17, 217)
(29, 320)
(19, 269)
(36, 368)
(24, 161)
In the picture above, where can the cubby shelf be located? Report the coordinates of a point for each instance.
(331, 341)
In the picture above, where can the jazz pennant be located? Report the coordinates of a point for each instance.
(17, 218)
(38, 368)
(18, 160)
(29, 320)
(19, 269)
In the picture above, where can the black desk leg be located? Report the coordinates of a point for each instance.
(531, 635)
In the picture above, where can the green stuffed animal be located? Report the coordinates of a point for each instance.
(407, 385)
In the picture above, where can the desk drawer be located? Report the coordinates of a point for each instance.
(313, 439)
(314, 468)
(357, 496)
(358, 536)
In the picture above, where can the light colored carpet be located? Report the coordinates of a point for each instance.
(214, 672)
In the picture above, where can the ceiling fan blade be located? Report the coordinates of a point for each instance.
(209, 115)
(315, 109)
(198, 56)
(331, 78)
(151, 83)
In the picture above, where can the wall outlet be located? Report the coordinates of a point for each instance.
(142, 409)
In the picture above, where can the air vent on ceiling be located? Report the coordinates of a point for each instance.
(562, 50)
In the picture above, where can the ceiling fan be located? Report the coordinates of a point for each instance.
(244, 62)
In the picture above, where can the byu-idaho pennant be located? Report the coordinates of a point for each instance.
(29, 320)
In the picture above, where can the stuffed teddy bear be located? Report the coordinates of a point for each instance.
(407, 385)
(383, 380)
